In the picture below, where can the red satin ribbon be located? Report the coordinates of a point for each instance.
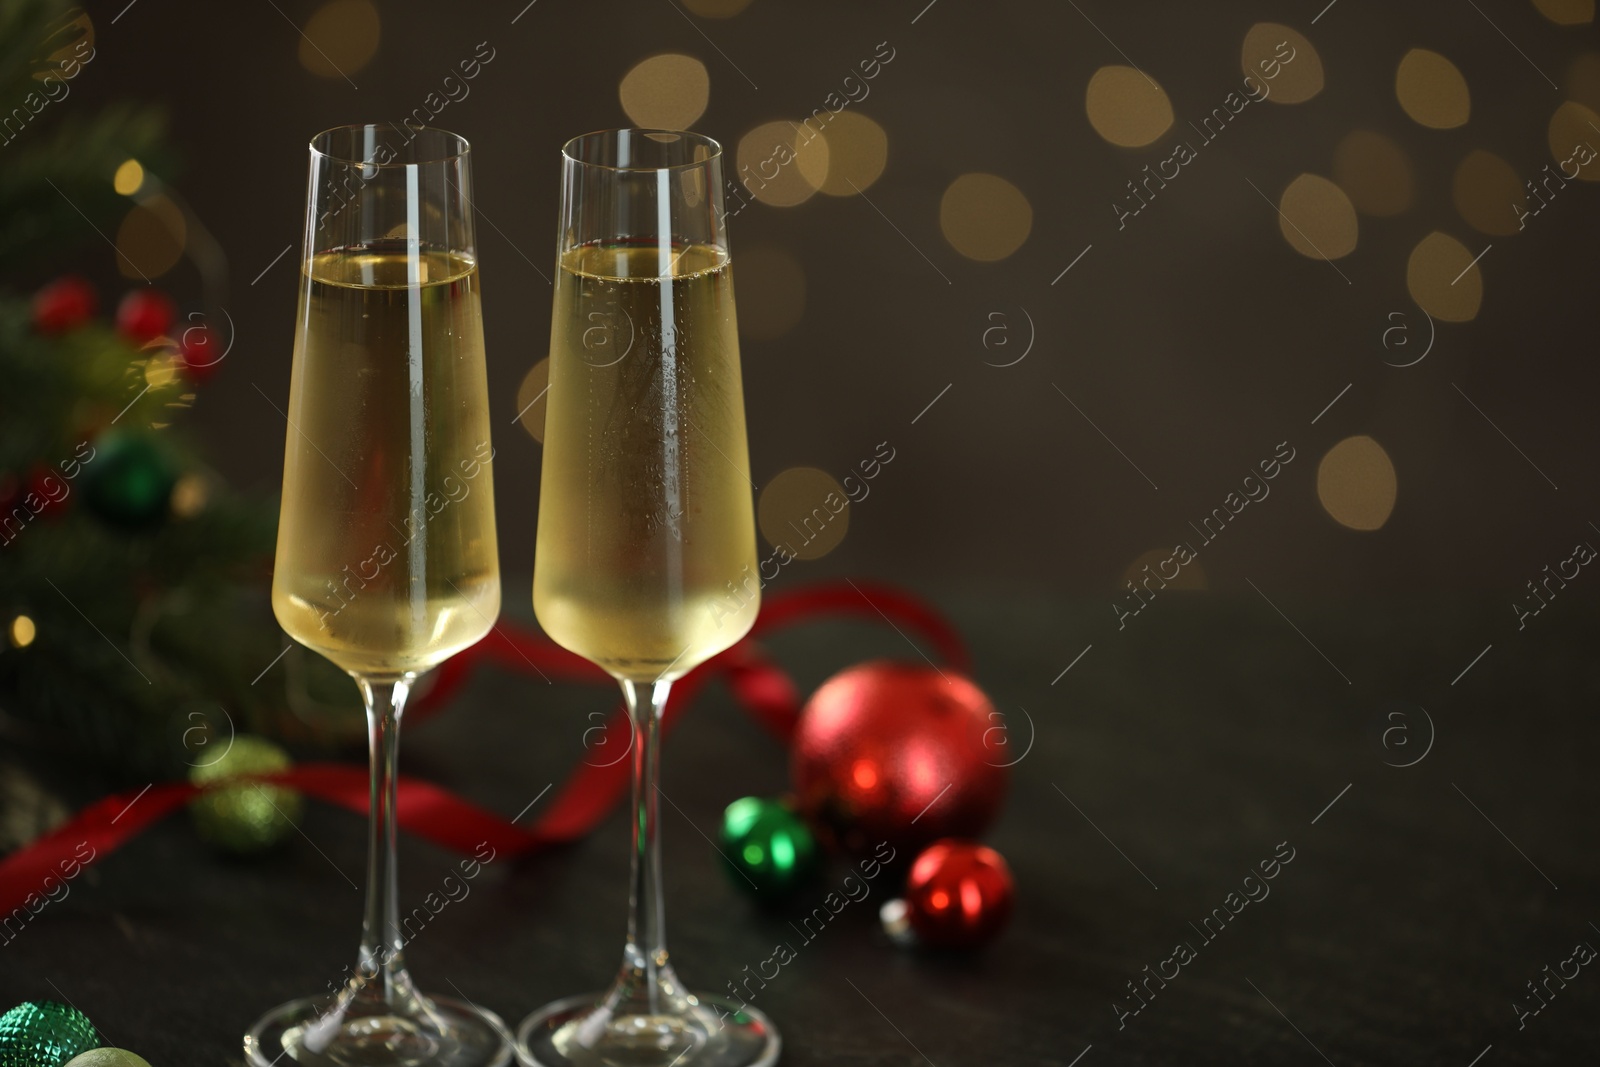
(437, 814)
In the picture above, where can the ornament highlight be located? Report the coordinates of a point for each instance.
(895, 918)
(898, 753)
(768, 849)
(249, 817)
(44, 1033)
(958, 894)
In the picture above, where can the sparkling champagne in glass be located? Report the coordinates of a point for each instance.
(646, 556)
(386, 559)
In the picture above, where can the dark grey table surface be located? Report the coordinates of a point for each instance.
(1168, 762)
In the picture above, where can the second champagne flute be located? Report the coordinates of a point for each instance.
(646, 556)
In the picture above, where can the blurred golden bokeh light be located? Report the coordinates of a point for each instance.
(858, 150)
(1432, 91)
(1374, 172)
(340, 38)
(1583, 80)
(21, 631)
(783, 163)
(1160, 564)
(1317, 218)
(1356, 483)
(1573, 130)
(531, 395)
(1489, 194)
(128, 178)
(716, 9)
(985, 217)
(665, 92)
(189, 496)
(806, 510)
(151, 239)
(1566, 12)
(1443, 279)
(772, 291)
(1294, 81)
(1126, 107)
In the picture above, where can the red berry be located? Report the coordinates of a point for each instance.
(63, 305)
(199, 353)
(144, 315)
(48, 489)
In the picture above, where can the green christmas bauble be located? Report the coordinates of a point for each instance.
(108, 1057)
(768, 848)
(129, 481)
(251, 816)
(44, 1034)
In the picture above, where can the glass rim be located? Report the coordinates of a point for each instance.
(568, 150)
(461, 150)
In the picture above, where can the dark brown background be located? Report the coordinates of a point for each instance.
(1196, 338)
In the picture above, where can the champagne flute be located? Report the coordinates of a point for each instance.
(386, 559)
(646, 555)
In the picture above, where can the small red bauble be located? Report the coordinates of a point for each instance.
(144, 315)
(958, 894)
(64, 304)
(47, 489)
(897, 753)
(199, 352)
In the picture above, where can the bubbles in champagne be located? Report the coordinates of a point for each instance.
(386, 556)
(646, 559)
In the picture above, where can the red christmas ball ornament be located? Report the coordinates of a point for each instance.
(958, 894)
(63, 305)
(897, 753)
(47, 489)
(199, 353)
(145, 314)
(10, 493)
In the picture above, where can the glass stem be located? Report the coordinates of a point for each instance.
(382, 961)
(646, 952)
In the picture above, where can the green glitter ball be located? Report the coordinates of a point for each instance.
(249, 817)
(768, 849)
(44, 1034)
(129, 482)
(108, 1057)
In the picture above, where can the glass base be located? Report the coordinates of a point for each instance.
(440, 1033)
(706, 1031)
